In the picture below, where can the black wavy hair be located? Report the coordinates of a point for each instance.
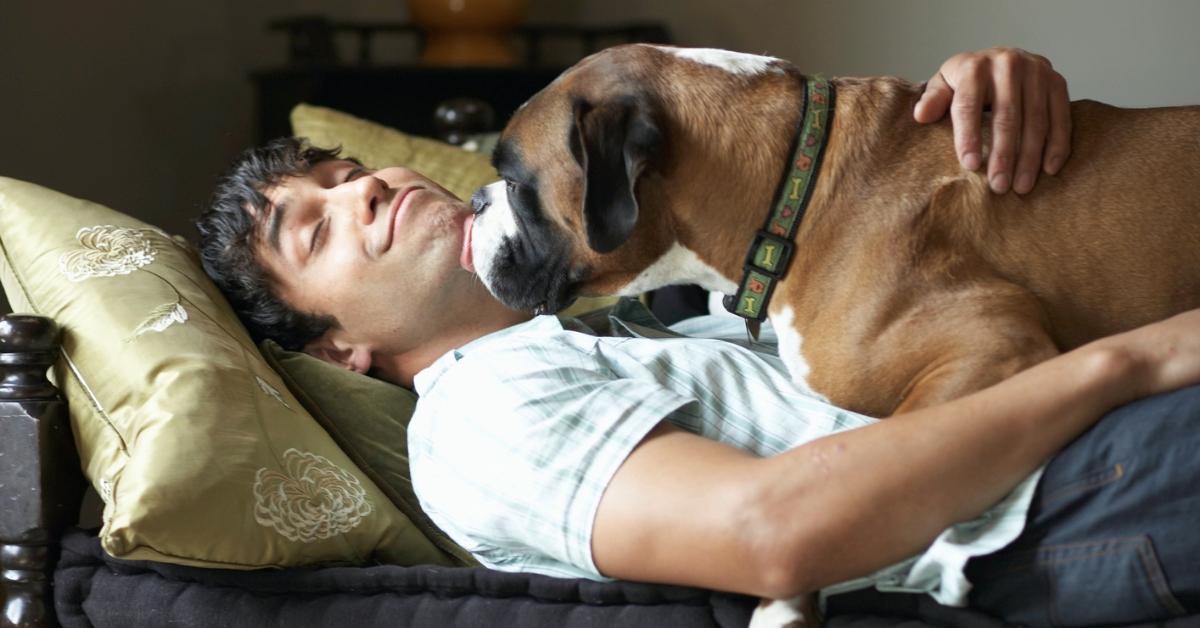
(229, 233)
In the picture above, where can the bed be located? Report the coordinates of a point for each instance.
(110, 298)
(56, 574)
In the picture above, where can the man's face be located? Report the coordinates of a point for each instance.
(378, 250)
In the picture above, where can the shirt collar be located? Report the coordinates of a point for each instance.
(428, 376)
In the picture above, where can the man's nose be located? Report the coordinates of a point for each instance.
(367, 196)
(480, 200)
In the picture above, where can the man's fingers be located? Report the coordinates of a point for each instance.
(966, 114)
(1030, 121)
(935, 100)
(1033, 132)
(1006, 123)
(1058, 144)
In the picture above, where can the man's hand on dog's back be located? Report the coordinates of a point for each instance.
(1031, 118)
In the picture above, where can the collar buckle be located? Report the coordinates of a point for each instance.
(766, 262)
(769, 254)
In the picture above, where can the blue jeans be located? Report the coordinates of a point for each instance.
(1112, 537)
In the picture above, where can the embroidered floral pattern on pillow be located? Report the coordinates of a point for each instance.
(110, 251)
(270, 390)
(161, 318)
(310, 500)
(107, 251)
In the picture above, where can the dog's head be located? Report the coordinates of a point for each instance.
(572, 160)
(594, 169)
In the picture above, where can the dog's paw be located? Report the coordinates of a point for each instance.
(794, 612)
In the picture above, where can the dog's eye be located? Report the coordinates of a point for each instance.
(510, 186)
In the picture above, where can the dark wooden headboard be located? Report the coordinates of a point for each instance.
(41, 485)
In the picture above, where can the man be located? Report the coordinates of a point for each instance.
(696, 462)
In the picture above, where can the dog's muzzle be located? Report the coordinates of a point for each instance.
(522, 259)
(480, 201)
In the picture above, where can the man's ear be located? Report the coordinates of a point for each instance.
(349, 356)
(613, 142)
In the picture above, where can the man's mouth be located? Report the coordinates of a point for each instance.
(394, 216)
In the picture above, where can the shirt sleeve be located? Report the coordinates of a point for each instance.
(512, 449)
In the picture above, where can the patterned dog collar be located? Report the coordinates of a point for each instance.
(771, 250)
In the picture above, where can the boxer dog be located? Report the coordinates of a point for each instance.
(910, 282)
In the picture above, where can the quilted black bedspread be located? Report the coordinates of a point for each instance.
(94, 589)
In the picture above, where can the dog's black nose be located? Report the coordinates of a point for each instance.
(480, 200)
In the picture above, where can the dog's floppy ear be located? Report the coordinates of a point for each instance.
(612, 142)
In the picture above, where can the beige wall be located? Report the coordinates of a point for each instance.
(139, 104)
(1128, 53)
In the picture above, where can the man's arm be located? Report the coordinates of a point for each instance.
(687, 510)
(1031, 115)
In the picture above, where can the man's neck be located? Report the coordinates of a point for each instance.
(402, 368)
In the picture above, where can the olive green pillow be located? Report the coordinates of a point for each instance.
(369, 420)
(200, 453)
(369, 417)
(379, 146)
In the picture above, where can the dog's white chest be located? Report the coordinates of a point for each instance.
(791, 345)
(678, 265)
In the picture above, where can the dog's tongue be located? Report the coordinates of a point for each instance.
(465, 258)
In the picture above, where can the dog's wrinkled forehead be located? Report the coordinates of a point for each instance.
(536, 155)
(535, 165)
(539, 125)
(539, 136)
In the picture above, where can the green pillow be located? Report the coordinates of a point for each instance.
(379, 146)
(199, 452)
(368, 418)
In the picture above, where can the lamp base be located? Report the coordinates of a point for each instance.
(468, 32)
(469, 48)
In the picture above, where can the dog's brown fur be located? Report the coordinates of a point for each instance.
(911, 283)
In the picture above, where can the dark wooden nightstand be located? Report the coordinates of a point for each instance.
(405, 95)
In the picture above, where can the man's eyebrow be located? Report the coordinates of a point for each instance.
(274, 223)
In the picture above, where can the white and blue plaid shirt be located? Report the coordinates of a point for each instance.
(517, 434)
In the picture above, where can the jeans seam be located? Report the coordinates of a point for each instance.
(1095, 480)
(1038, 556)
(1158, 580)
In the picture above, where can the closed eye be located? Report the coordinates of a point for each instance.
(316, 233)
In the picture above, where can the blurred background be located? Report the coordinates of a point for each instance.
(140, 104)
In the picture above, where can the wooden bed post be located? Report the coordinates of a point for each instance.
(40, 482)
